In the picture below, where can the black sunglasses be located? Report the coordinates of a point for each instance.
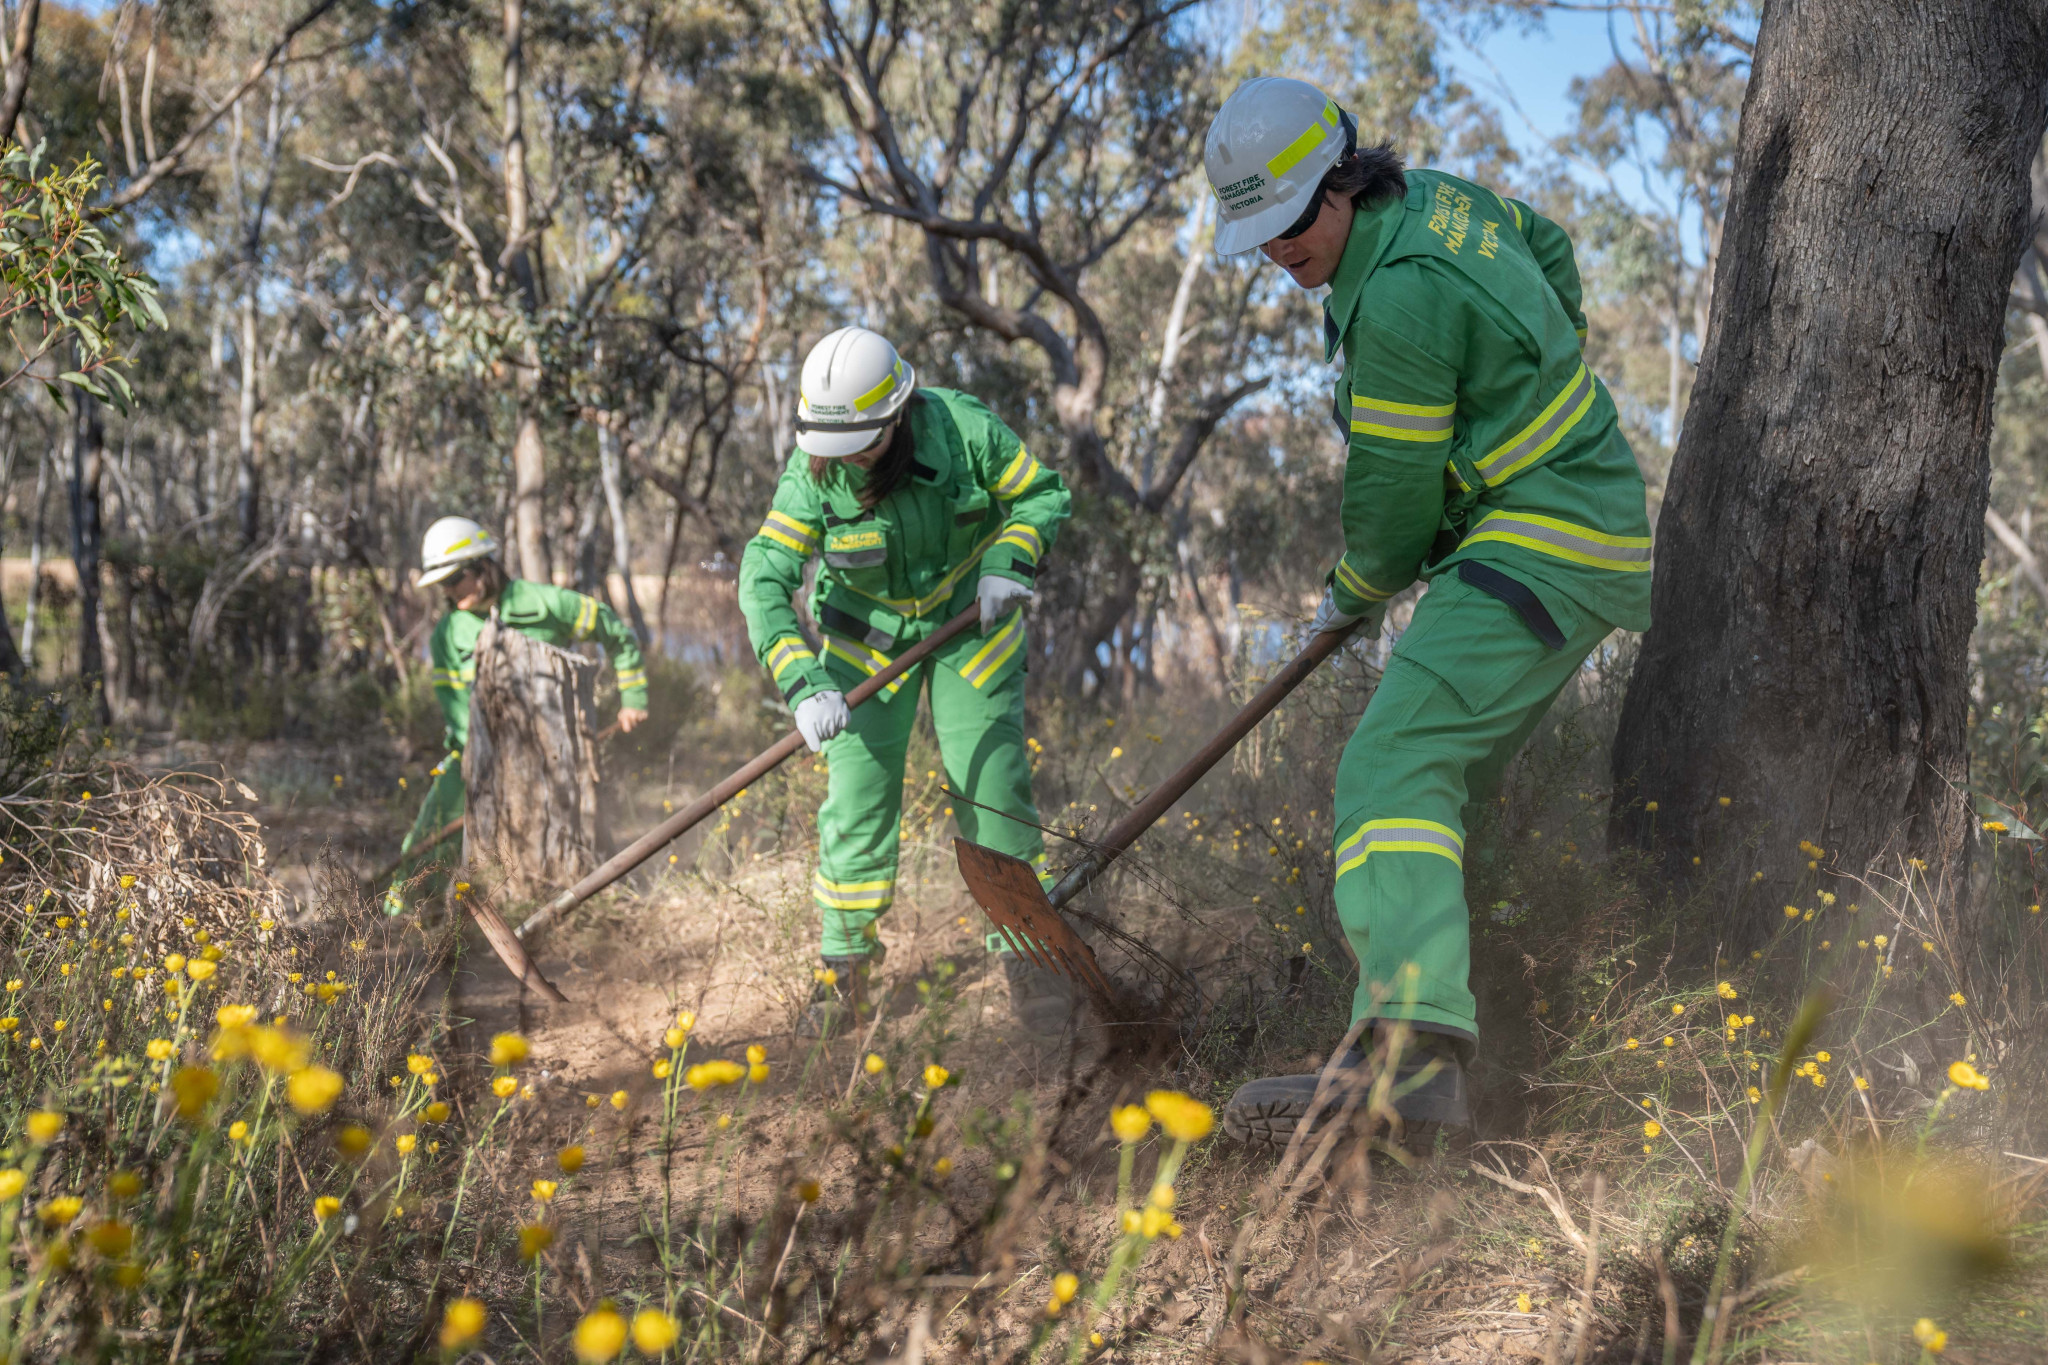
(1309, 214)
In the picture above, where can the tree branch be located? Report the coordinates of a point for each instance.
(174, 158)
(1194, 433)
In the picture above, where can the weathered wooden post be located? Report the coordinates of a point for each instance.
(531, 765)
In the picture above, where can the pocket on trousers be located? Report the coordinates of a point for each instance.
(1475, 644)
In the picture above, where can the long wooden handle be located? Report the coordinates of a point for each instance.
(1146, 813)
(658, 838)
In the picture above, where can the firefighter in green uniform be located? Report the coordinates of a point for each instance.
(1483, 456)
(916, 502)
(461, 557)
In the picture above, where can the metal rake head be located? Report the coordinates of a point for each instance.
(1008, 891)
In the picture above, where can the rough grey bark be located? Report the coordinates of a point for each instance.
(1818, 553)
(88, 451)
(531, 764)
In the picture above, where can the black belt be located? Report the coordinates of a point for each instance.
(854, 628)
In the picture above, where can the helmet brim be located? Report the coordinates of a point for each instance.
(1254, 230)
(446, 571)
(825, 443)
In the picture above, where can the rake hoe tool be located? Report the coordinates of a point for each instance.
(1029, 918)
(658, 838)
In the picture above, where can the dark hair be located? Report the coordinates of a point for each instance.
(1368, 177)
(891, 472)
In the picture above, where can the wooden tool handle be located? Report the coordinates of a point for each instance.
(652, 842)
(1146, 813)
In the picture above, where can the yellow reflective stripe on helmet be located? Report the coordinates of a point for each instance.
(940, 595)
(1401, 421)
(1355, 583)
(868, 895)
(1311, 138)
(462, 544)
(879, 391)
(1023, 537)
(1536, 440)
(790, 652)
(787, 530)
(1563, 540)
(868, 660)
(1399, 836)
(1017, 476)
(994, 653)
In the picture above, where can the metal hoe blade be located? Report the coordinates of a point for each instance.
(1009, 892)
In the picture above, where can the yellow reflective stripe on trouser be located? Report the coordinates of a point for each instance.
(787, 530)
(1311, 138)
(1537, 439)
(788, 653)
(1357, 586)
(868, 660)
(450, 679)
(1017, 476)
(994, 653)
(1399, 836)
(1401, 421)
(1024, 538)
(586, 617)
(939, 595)
(870, 895)
(1563, 540)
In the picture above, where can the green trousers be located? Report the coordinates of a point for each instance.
(1467, 685)
(981, 745)
(444, 803)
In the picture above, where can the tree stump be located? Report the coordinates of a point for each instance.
(531, 764)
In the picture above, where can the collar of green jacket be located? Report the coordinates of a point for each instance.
(1371, 231)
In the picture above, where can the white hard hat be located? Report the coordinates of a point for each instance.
(1267, 150)
(451, 543)
(853, 385)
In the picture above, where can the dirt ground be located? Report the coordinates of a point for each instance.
(1429, 1264)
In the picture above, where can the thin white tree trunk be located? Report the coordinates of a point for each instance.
(1170, 344)
(622, 540)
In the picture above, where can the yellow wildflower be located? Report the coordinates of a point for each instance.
(600, 1336)
(43, 1127)
(509, 1049)
(535, 1238)
(570, 1159)
(505, 1087)
(12, 1182)
(619, 1099)
(461, 1323)
(936, 1076)
(160, 1049)
(874, 1064)
(1184, 1119)
(1966, 1076)
(313, 1089)
(1130, 1123)
(544, 1190)
(1931, 1338)
(705, 1075)
(1651, 1128)
(325, 1207)
(654, 1331)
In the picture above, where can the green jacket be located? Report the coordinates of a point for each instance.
(554, 616)
(1476, 430)
(977, 503)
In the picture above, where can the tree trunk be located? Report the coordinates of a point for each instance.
(34, 605)
(1818, 553)
(531, 764)
(622, 539)
(88, 451)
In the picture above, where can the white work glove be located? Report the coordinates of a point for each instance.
(998, 595)
(821, 716)
(1329, 618)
